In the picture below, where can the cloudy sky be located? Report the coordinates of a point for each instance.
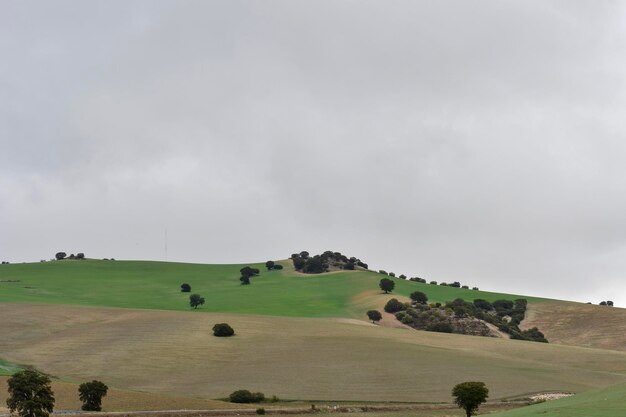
(482, 141)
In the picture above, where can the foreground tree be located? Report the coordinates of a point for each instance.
(30, 394)
(91, 393)
(470, 395)
(387, 285)
(196, 300)
(374, 316)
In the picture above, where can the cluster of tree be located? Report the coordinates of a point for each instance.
(196, 300)
(318, 264)
(246, 273)
(270, 265)
(243, 396)
(62, 255)
(463, 317)
(606, 303)
(5, 262)
(30, 394)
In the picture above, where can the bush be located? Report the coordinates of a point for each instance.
(269, 265)
(419, 297)
(441, 327)
(80, 255)
(185, 288)
(278, 267)
(483, 304)
(433, 282)
(223, 330)
(393, 306)
(392, 274)
(374, 316)
(243, 396)
(60, 255)
(245, 280)
(402, 276)
(382, 271)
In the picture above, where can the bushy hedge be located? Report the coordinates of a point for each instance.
(243, 396)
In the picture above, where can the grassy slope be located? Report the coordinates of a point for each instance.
(579, 324)
(156, 285)
(605, 402)
(8, 368)
(293, 357)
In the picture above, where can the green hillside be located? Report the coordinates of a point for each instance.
(156, 285)
(605, 402)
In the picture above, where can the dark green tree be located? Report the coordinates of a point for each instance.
(393, 306)
(196, 300)
(269, 265)
(387, 285)
(419, 297)
(470, 395)
(185, 288)
(223, 330)
(91, 393)
(374, 316)
(30, 394)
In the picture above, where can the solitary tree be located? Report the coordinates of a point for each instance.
(91, 393)
(470, 395)
(185, 288)
(374, 316)
(30, 394)
(196, 300)
(419, 297)
(387, 285)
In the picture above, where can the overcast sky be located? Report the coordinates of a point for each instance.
(481, 142)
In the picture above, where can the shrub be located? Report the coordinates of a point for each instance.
(80, 255)
(374, 316)
(475, 288)
(433, 282)
(456, 284)
(393, 306)
(419, 297)
(245, 280)
(185, 288)
(483, 304)
(60, 255)
(382, 271)
(392, 274)
(402, 276)
(441, 327)
(278, 267)
(269, 265)
(223, 330)
(243, 396)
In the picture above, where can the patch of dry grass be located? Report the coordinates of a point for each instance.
(579, 324)
(174, 353)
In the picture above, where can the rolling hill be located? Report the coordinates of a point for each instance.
(300, 337)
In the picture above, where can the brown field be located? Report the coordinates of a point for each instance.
(579, 324)
(66, 398)
(174, 353)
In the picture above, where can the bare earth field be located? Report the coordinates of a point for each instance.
(579, 324)
(174, 353)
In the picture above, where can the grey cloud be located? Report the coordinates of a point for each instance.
(478, 142)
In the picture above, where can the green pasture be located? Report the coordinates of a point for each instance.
(604, 402)
(156, 285)
(8, 368)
